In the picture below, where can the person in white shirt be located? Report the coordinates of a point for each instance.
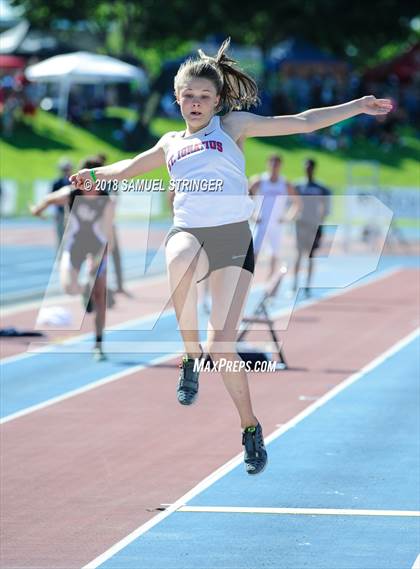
(211, 237)
(274, 211)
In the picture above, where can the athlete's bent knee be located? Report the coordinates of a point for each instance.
(182, 262)
(71, 288)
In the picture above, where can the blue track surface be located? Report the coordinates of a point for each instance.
(361, 450)
(26, 271)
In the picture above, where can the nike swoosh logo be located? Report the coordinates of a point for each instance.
(207, 133)
(238, 256)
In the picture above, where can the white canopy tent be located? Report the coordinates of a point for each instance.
(13, 37)
(82, 67)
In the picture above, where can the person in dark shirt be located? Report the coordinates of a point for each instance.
(88, 237)
(316, 204)
(65, 168)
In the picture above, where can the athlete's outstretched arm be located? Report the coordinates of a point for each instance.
(124, 169)
(313, 119)
(60, 197)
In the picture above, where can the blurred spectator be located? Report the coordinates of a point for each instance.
(17, 99)
(294, 90)
(9, 111)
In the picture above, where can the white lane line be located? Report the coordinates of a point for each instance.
(122, 374)
(300, 511)
(237, 460)
(416, 563)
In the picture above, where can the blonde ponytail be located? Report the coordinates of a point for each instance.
(236, 89)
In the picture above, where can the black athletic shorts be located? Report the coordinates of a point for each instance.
(225, 245)
(82, 247)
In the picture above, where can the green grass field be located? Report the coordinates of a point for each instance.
(37, 145)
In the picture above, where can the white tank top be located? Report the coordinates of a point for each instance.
(274, 196)
(208, 154)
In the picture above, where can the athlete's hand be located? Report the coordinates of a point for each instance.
(82, 180)
(373, 106)
(35, 210)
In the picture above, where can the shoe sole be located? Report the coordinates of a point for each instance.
(188, 404)
(99, 358)
(259, 472)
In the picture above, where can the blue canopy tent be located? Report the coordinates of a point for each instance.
(295, 53)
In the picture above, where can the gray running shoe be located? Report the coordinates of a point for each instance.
(98, 354)
(255, 455)
(187, 389)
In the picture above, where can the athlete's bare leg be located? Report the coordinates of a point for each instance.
(69, 276)
(186, 264)
(297, 269)
(310, 273)
(99, 300)
(273, 266)
(229, 289)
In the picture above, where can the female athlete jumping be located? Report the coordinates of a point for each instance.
(211, 236)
